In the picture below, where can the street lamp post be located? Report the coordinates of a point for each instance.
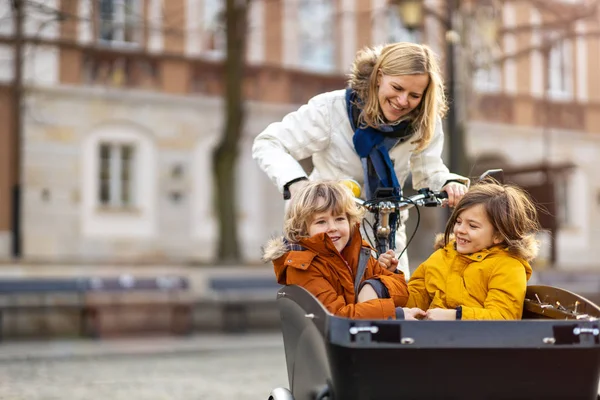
(455, 131)
(17, 92)
(412, 14)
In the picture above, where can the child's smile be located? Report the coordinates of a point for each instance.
(473, 230)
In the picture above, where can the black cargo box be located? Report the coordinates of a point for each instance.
(342, 359)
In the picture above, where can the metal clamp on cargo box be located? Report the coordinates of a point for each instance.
(362, 333)
(576, 334)
(380, 332)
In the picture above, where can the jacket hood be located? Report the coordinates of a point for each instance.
(439, 241)
(274, 249)
(278, 246)
(284, 254)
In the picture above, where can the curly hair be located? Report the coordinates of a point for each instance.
(403, 58)
(510, 211)
(305, 204)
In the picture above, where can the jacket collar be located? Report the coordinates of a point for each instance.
(322, 243)
(477, 256)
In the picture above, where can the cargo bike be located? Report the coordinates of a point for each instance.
(553, 353)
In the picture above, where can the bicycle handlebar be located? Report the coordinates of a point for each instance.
(425, 198)
(383, 208)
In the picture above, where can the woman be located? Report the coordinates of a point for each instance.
(386, 125)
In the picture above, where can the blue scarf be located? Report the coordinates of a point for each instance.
(373, 146)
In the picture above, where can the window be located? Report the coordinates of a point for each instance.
(214, 25)
(487, 79)
(483, 50)
(561, 191)
(116, 175)
(119, 182)
(560, 70)
(119, 21)
(316, 42)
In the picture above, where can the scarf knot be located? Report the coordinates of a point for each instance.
(373, 145)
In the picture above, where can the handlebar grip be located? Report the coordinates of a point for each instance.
(442, 195)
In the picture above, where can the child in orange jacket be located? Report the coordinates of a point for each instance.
(322, 250)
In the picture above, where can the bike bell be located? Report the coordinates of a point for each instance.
(353, 186)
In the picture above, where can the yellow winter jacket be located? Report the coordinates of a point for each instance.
(489, 284)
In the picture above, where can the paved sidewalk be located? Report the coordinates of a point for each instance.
(241, 367)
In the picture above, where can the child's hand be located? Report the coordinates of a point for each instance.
(440, 314)
(388, 260)
(412, 314)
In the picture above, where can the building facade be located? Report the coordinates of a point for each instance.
(542, 107)
(122, 107)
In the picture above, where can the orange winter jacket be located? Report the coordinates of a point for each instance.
(489, 284)
(329, 275)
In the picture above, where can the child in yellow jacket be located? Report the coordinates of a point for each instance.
(481, 268)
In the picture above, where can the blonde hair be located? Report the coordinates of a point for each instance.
(510, 211)
(305, 205)
(403, 58)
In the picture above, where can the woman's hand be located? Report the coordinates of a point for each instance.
(366, 293)
(455, 192)
(388, 260)
(440, 314)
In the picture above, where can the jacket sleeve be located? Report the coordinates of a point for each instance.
(427, 167)
(506, 293)
(317, 284)
(418, 296)
(394, 283)
(298, 136)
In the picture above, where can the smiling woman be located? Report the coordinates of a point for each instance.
(399, 95)
(384, 126)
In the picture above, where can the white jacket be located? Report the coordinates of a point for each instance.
(321, 129)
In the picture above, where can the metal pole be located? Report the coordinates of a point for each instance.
(454, 132)
(546, 49)
(17, 91)
(546, 138)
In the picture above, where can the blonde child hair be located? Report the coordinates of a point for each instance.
(511, 212)
(402, 58)
(305, 204)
